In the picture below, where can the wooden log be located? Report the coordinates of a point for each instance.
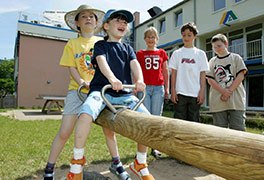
(228, 153)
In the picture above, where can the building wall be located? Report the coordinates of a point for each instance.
(208, 20)
(245, 33)
(39, 71)
(172, 32)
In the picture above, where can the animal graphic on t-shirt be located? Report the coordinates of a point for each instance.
(85, 62)
(223, 75)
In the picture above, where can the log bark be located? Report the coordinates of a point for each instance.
(228, 153)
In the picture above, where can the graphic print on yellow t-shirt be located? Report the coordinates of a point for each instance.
(78, 54)
(85, 69)
(85, 63)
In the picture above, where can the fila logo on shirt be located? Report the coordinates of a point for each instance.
(188, 61)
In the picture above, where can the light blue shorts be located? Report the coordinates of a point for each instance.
(94, 104)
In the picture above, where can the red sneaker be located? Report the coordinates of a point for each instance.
(135, 167)
(71, 176)
(79, 176)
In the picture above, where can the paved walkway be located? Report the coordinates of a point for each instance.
(30, 114)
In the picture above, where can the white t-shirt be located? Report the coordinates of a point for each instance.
(188, 62)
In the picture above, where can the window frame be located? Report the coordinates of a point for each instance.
(219, 9)
(176, 15)
(161, 21)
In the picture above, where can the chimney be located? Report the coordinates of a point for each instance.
(137, 18)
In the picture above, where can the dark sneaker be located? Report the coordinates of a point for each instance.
(49, 176)
(119, 171)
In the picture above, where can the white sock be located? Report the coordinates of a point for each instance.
(78, 153)
(141, 157)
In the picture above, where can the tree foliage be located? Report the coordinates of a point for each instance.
(6, 77)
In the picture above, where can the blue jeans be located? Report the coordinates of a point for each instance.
(154, 99)
(94, 103)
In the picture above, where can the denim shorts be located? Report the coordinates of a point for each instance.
(154, 99)
(94, 104)
(72, 103)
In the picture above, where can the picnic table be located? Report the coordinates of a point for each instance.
(53, 103)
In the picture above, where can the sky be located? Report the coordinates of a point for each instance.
(10, 11)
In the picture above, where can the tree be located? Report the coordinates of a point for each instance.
(6, 77)
(7, 69)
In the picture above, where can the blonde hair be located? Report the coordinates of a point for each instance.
(151, 30)
(219, 37)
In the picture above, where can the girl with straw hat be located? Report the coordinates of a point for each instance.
(76, 56)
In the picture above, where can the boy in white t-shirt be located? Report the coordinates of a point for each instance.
(188, 66)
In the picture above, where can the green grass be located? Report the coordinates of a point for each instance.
(26, 144)
(254, 125)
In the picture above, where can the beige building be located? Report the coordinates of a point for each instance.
(242, 21)
(37, 54)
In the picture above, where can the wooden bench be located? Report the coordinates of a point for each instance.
(53, 103)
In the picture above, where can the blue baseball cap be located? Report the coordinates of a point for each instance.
(112, 12)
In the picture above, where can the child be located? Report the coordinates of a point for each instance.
(114, 62)
(154, 65)
(77, 58)
(227, 93)
(188, 65)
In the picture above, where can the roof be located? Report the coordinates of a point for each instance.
(47, 31)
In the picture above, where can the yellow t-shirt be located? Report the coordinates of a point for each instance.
(78, 53)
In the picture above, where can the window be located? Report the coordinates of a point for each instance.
(162, 26)
(219, 4)
(236, 42)
(237, 1)
(178, 19)
(253, 41)
(255, 91)
(254, 45)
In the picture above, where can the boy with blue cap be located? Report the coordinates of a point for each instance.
(114, 63)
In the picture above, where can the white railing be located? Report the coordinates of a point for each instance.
(253, 50)
(237, 48)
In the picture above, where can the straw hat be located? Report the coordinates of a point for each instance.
(70, 17)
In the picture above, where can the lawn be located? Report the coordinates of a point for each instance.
(25, 147)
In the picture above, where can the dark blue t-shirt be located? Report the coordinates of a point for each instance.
(118, 56)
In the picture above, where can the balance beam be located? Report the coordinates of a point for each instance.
(228, 153)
